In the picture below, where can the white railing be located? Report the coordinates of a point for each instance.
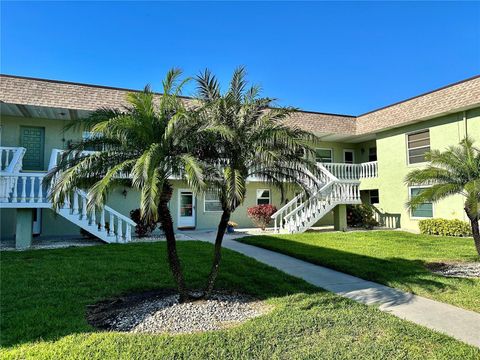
(319, 204)
(114, 227)
(23, 188)
(57, 155)
(11, 158)
(304, 210)
(353, 171)
(28, 190)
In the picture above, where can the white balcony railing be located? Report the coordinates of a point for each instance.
(353, 171)
(11, 158)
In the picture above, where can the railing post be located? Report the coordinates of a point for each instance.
(94, 217)
(6, 158)
(111, 226)
(102, 219)
(84, 208)
(40, 190)
(15, 189)
(119, 230)
(128, 233)
(32, 189)
(75, 203)
(24, 189)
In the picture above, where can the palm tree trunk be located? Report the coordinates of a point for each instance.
(217, 256)
(476, 233)
(167, 227)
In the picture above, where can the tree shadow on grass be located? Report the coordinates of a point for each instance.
(46, 293)
(393, 271)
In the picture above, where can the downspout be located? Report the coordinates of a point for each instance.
(465, 122)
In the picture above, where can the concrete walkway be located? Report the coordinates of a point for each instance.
(461, 324)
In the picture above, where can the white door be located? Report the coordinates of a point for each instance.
(186, 209)
(37, 221)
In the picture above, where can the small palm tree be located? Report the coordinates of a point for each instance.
(451, 172)
(151, 140)
(250, 140)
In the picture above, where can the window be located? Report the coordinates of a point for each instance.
(418, 144)
(348, 156)
(324, 155)
(263, 196)
(212, 202)
(425, 210)
(374, 197)
(372, 154)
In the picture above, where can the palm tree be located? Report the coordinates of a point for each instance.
(251, 140)
(453, 171)
(151, 140)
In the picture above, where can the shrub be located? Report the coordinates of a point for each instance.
(143, 227)
(261, 214)
(361, 216)
(445, 227)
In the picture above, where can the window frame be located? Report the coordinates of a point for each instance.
(210, 201)
(420, 147)
(260, 191)
(370, 196)
(352, 151)
(369, 153)
(411, 210)
(331, 154)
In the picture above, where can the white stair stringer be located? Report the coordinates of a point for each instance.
(305, 210)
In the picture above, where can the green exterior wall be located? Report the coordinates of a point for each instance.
(392, 168)
(392, 164)
(55, 136)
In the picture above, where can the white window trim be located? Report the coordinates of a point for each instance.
(410, 212)
(205, 202)
(419, 147)
(261, 191)
(353, 155)
(331, 153)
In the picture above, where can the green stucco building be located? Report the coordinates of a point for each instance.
(365, 158)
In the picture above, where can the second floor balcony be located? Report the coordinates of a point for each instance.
(344, 171)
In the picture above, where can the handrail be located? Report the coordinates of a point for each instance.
(110, 210)
(353, 171)
(15, 164)
(56, 152)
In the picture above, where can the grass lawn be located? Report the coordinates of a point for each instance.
(392, 258)
(44, 294)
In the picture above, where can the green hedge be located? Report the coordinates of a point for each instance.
(445, 227)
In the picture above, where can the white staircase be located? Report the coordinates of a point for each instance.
(27, 190)
(304, 210)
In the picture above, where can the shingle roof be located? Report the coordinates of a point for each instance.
(69, 95)
(451, 98)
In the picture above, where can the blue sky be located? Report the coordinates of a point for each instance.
(332, 57)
